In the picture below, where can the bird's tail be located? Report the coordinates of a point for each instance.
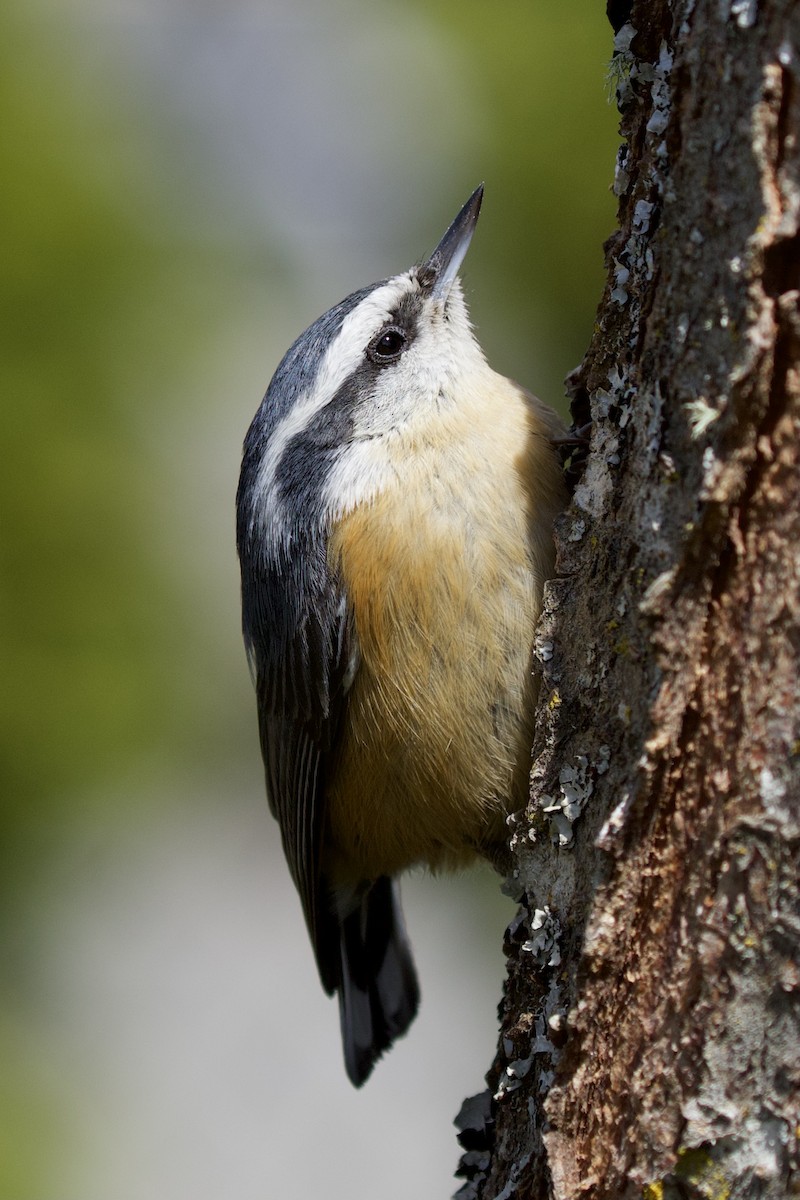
(378, 989)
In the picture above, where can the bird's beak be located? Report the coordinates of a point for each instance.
(448, 256)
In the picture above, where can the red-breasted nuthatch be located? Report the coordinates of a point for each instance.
(394, 520)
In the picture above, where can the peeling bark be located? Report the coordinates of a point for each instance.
(650, 1025)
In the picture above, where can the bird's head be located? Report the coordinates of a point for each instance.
(388, 357)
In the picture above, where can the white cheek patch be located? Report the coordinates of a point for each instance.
(357, 476)
(341, 359)
(404, 393)
(409, 400)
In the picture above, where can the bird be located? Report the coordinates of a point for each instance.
(394, 530)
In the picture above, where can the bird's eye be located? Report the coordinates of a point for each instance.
(388, 345)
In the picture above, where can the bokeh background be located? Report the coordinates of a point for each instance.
(185, 186)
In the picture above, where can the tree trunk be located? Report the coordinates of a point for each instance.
(650, 1041)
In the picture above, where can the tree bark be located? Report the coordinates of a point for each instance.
(650, 1023)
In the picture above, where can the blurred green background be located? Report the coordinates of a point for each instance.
(185, 187)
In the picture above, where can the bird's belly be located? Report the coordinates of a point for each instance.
(435, 746)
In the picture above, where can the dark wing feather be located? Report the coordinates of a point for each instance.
(302, 658)
(303, 650)
(301, 641)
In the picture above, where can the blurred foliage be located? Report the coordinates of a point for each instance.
(95, 325)
(108, 306)
(34, 1111)
(98, 320)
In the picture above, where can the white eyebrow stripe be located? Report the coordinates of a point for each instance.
(341, 358)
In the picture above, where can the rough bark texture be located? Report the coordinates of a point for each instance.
(650, 1026)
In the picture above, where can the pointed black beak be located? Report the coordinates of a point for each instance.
(448, 256)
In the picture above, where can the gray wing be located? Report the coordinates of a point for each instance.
(301, 645)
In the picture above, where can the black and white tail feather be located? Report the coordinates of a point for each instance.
(378, 988)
